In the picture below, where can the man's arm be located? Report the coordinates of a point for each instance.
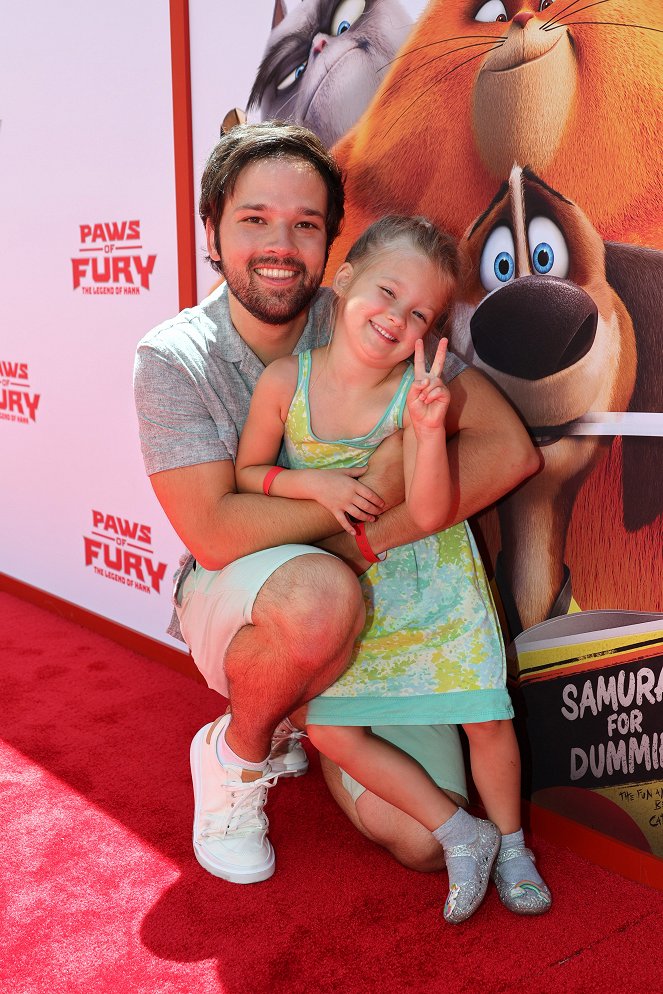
(489, 453)
(219, 526)
(177, 427)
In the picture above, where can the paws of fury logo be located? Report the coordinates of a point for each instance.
(18, 403)
(121, 550)
(111, 260)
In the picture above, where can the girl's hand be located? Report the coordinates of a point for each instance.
(340, 491)
(428, 398)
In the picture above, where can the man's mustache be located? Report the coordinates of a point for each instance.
(281, 262)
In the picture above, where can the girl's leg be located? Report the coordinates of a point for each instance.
(386, 771)
(495, 762)
(470, 845)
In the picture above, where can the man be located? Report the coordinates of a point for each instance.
(269, 614)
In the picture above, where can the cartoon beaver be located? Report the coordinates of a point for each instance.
(569, 88)
(536, 314)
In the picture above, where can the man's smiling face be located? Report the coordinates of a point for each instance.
(273, 238)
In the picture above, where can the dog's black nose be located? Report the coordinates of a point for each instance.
(534, 327)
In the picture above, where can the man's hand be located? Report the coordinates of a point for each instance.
(385, 471)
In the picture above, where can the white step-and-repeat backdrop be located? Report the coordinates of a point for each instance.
(87, 216)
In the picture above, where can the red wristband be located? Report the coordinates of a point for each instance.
(269, 478)
(364, 545)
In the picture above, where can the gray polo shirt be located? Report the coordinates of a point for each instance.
(193, 380)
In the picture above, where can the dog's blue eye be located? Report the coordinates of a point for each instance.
(548, 249)
(543, 258)
(498, 258)
(504, 267)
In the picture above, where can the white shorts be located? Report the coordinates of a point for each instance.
(212, 606)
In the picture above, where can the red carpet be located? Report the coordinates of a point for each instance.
(102, 894)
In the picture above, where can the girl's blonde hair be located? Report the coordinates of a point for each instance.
(419, 232)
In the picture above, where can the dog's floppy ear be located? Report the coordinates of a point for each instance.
(636, 275)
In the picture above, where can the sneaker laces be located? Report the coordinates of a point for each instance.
(285, 732)
(243, 813)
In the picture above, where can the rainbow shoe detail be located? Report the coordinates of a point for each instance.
(524, 897)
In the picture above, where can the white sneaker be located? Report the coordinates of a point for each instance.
(229, 825)
(287, 758)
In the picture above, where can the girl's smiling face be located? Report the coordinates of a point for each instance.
(385, 305)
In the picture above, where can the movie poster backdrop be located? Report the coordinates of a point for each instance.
(87, 214)
(532, 132)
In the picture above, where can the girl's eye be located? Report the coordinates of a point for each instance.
(345, 15)
(385, 289)
(419, 316)
(494, 10)
(548, 248)
(292, 77)
(498, 265)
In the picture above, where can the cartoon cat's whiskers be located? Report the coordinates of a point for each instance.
(488, 46)
(436, 82)
(558, 13)
(609, 24)
(441, 41)
(293, 96)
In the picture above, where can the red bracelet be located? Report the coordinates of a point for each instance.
(364, 545)
(269, 478)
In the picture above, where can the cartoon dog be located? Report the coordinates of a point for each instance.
(537, 315)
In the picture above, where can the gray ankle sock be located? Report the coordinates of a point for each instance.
(458, 830)
(520, 867)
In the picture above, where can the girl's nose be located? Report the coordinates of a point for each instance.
(396, 317)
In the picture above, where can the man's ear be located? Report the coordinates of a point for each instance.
(211, 247)
(342, 279)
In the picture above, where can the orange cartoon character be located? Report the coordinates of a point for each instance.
(570, 88)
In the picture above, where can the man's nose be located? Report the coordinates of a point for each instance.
(281, 239)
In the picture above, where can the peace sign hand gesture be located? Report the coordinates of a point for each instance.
(428, 397)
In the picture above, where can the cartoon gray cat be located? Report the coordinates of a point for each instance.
(324, 61)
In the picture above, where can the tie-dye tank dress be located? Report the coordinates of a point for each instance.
(430, 651)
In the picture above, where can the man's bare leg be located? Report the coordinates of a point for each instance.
(304, 623)
(407, 841)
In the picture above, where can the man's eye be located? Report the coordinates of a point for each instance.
(253, 220)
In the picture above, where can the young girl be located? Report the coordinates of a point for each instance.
(430, 651)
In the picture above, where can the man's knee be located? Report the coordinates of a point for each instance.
(314, 603)
(409, 843)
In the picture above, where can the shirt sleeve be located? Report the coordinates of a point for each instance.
(175, 422)
(453, 364)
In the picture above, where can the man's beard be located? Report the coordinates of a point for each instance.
(272, 305)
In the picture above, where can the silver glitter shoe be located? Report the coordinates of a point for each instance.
(524, 897)
(464, 898)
